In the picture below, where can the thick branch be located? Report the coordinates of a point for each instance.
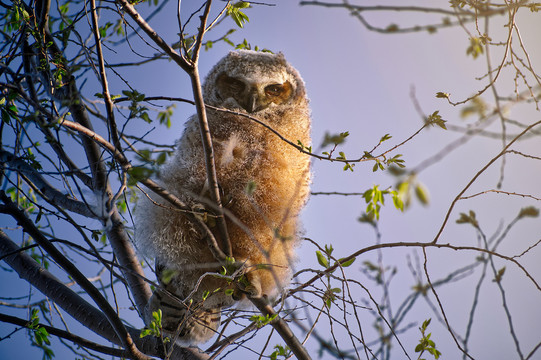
(29, 270)
(130, 10)
(93, 319)
(210, 161)
(282, 328)
(29, 227)
(156, 188)
(66, 335)
(51, 194)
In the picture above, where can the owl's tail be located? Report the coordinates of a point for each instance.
(188, 326)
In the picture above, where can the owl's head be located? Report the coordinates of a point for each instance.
(252, 81)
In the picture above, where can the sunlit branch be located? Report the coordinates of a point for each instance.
(283, 138)
(500, 192)
(128, 8)
(368, 249)
(191, 68)
(281, 327)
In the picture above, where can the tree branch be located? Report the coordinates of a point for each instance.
(45, 282)
(105, 86)
(156, 188)
(352, 256)
(67, 335)
(29, 227)
(191, 69)
(152, 34)
(461, 193)
(210, 162)
(51, 194)
(281, 328)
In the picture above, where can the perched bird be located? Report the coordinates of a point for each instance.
(264, 184)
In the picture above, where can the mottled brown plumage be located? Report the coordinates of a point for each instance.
(264, 231)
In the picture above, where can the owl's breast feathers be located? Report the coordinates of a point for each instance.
(248, 153)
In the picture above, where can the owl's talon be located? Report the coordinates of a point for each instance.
(237, 294)
(248, 285)
(252, 291)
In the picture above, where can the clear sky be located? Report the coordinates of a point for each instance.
(362, 82)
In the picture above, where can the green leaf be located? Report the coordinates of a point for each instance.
(262, 320)
(476, 47)
(398, 203)
(468, 219)
(335, 139)
(442, 95)
(234, 11)
(138, 173)
(499, 275)
(385, 138)
(167, 275)
(251, 187)
(476, 106)
(436, 119)
(422, 194)
(321, 259)
(346, 263)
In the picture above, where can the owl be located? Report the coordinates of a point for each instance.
(264, 184)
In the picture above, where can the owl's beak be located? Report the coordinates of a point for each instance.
(252, 102)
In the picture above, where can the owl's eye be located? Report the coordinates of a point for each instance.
(275, 90)
(230, 85)
(234, 85)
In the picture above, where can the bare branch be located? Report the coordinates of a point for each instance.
(75, 305)
(51, 194)
(67, 335)
(281, 327)
(361, 8)
(74, 272)
(156, 188)
(209, 161)
(105, 86)
(461, 193)
(367, 249)
(127, 7)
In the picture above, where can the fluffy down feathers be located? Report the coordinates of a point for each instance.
(264, 230)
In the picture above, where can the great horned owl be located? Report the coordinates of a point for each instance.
(248, 156)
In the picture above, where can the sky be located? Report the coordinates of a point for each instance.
(367, 83)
